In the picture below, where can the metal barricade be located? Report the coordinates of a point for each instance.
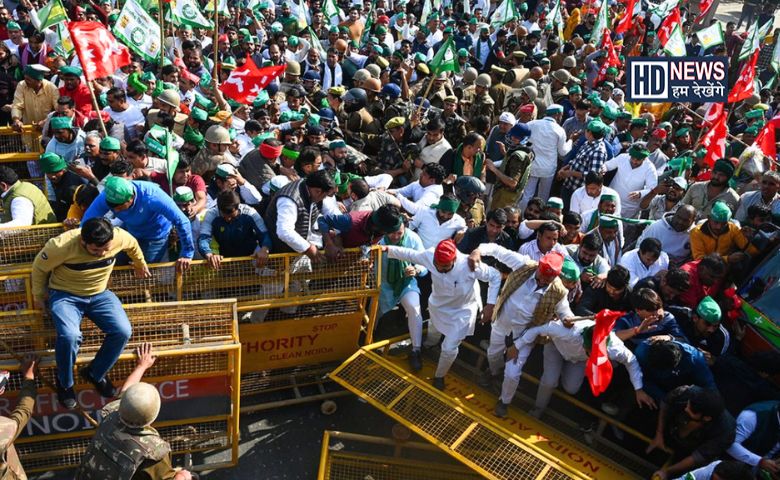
(197, 373)
(17, 148)
(20, 245)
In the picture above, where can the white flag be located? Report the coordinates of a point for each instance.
(136, 29)
(710, 36)
(675, 46)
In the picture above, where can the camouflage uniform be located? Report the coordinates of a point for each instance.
(398, 108)
(483, 105)
(454, 129)
(474, 215)
(390, 156)
(500, 92)
(359, 123)
(10, 428)
(121, 452)
(376, 108)
(516, 166)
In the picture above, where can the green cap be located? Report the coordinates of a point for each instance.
(720, 212)
(682, 132)
(447, 205)
(110, 144)
(752, 130)
(555, 202)
(183, 195)
(575, 89)
(461, 53)
(638, 151)
(118, 190)
(68, 70)
(12, 26)
(609, 112)
(709, 310)
(597, 126)
(35, 71)
(199, 114)
(52, 163)
(607, 222)
(193, 137)
(724, 166)
(638, 122)
(612, 71)
(570, 271)
(757, 113)
(261, 99)
(60, 123)
(608, 197)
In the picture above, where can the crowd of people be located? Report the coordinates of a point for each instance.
(518, 188)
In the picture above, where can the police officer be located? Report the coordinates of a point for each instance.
(11, 427)
(125, 446)
(454, 124)
(483, 102)
(469, 189)
(359, 121)
(396, 106)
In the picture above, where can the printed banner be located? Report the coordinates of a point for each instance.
(136, 29)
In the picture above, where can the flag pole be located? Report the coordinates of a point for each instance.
(425, 95)
(161, 21)
(95, 105)
(216, 40)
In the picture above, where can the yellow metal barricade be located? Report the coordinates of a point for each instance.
(20, 245)
(358, 457)
(17, 148)
(197, 373)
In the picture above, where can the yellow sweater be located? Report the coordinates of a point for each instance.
(67, 266)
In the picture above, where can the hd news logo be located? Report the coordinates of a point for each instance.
(678, 79)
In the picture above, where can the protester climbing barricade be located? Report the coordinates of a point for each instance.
(197, 373)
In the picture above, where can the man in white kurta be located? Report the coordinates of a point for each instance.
(438, 222)
(455, 299)
(517, 314)
(634, 179)
(548, 143)
(566, 356)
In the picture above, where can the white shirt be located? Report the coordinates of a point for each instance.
(581, 202)
(676, 244)
(287, 214)
(432, 153)
(143, 104)
(249, 195)
(517, 311)
(549, 142)
(746, 425)
(749, 199)
(423, 195)
(641, 179)
(131, 117)
(426, 224)
(531, 249)
(569, 343)
(455, 297)
(638, 269)
(22, 212)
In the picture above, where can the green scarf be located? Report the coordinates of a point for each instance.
(457, 166)
(395, 270)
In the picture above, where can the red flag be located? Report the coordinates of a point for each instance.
(99, 52)
(704, 7)
(745, 84)
(714, 111)
(766, 141)
(612, 57)
(627, 21)
(246, 82)
(598, 368)
(665, 31)
(715, 141)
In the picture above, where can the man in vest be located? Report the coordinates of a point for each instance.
(11, 426)
(24, 204)
(532, 295)
(125, 444)
(757, 442)
(293, 212)
(455, 297)
(69, 276)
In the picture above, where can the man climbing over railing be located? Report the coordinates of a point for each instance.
(69, 276)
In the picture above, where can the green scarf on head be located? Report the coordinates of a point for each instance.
(395, 270)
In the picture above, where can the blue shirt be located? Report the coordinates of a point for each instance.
(240, 237)
(667, 326)
(150, 217)
(692, 370)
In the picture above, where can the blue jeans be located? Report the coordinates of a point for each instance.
(105, 310)
(154, 251)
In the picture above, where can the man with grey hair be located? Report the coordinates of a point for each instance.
(766, 195)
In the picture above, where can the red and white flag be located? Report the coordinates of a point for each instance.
(704, 7)
(99, 52)
(714, 111)
(246, 82)
(746, 83)
(627, 21)
(665, 30)
(612, 57)
(767, 140)
(715, 141)
(598, 368)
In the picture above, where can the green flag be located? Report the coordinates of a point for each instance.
(332, 12)
(172, 159)
(315, 43)
(187, 12)
(776, 56)
(556, 16)
(711, 36)
(755, 37)
(65, 47)
(369, 24)
(675, 46)
(139, 31)
(602, 23)
(446, 59)
(51, 14)
(504, 13)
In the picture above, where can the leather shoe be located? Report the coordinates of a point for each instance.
(438, 382)
(415, 360)
(66, 396)
(104, 387)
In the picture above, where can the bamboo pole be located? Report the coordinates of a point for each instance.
(96, 106)
(216, 41)
(161, 21)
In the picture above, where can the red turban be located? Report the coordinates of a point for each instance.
(660, 133)
(445, 252)
(527, 108)
(269, 151)
(551, 264)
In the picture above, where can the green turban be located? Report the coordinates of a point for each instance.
(720, 212)
(447, 205)
(709, 310)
